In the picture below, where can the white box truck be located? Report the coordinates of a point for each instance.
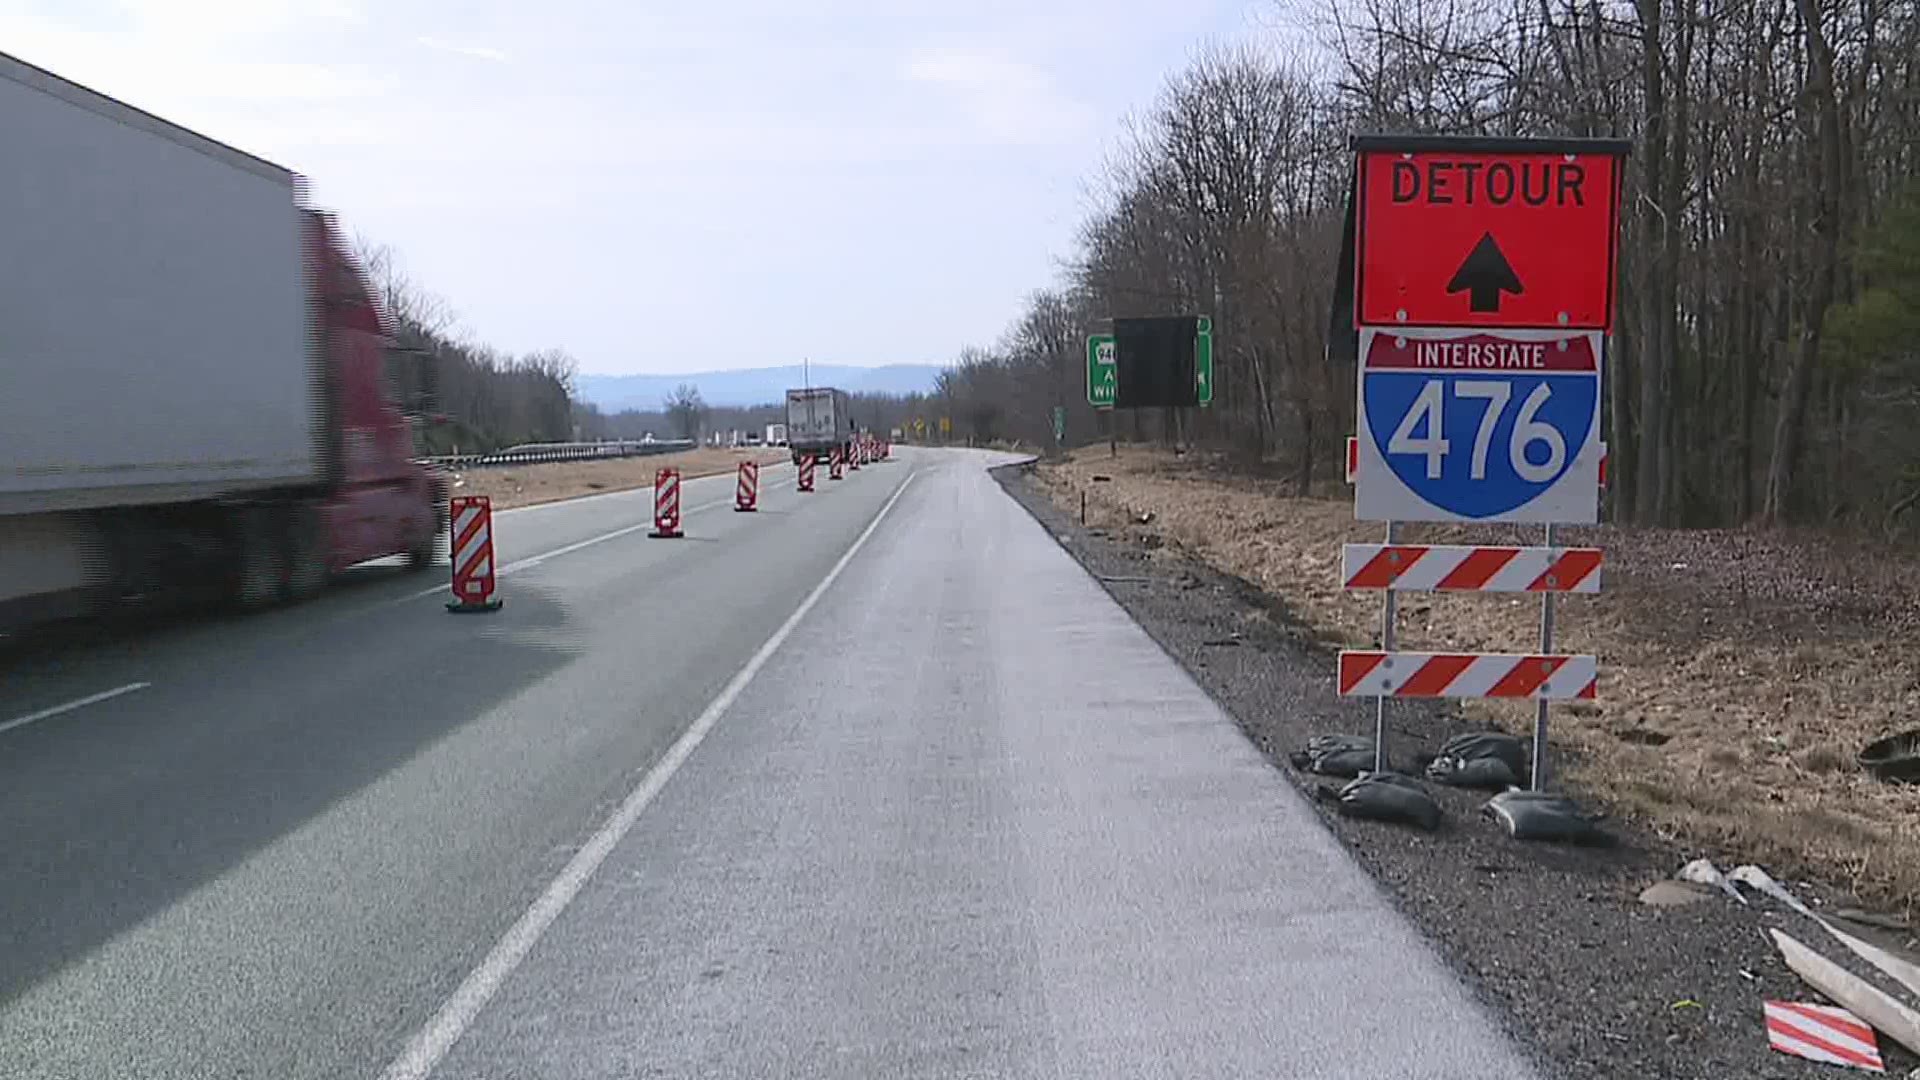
(192, 371)
(819, 419)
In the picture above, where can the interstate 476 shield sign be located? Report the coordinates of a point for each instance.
(1487, 425)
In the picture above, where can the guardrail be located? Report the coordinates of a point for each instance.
(532, 453)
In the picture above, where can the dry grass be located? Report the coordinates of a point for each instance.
(525, 485)
(1740, 671)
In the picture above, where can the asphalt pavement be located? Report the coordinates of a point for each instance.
(873, 782)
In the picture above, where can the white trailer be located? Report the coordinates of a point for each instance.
(818, 420)
(116, 388)
(190, 371)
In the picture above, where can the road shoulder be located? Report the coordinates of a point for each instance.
(1553, 938)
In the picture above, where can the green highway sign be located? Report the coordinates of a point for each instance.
(1203, 360)
(1102, 383)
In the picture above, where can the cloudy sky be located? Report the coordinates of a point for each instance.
(670, 186)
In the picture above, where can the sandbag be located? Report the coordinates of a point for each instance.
(1895, 759)
(1335, 755)
(1386, 796)
(1479, 759)
(1537, 815)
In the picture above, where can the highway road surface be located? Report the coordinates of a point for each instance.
(874, 782)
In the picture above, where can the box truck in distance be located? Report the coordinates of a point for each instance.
(193, 372)
(819, 419)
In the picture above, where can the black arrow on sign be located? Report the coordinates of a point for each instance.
(1484, 276)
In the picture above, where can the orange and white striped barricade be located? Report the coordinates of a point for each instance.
(805, 481)
(1449, 568)
(746, 488)
(666, 504)
(470, 529)
(853, 456)
(836, 465)
(1374, 673)
(1825, 1033)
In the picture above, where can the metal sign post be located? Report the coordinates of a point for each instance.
(1539, 770)
(1389, 615)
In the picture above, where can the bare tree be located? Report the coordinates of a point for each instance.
(687, 410)
(1757, 369)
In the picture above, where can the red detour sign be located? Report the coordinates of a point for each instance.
(836, 465)
(805, 482)
(1473, 232)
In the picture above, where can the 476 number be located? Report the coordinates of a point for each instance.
(1428, 411)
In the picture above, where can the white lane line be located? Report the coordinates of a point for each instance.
(535, 560)
(432, 1041)
(90, 699)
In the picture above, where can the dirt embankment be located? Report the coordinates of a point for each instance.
(525, 485)
(1740, 671)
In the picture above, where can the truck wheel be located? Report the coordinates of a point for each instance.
(259, 567)
(420, 555)
(306, 554)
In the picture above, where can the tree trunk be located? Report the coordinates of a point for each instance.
(1790, 425)
(1656, 293)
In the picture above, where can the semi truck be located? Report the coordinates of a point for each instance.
(819, 419)
(196, 383)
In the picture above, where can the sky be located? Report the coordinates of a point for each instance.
(669, 187)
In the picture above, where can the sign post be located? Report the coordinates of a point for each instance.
(1483, 292)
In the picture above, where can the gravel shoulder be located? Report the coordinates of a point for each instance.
(1553, 938)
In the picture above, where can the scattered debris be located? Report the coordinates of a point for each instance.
(1873, 919)
(1822, 1033)
(1643, 736)
(1387, 797)
(1539, 815)
(1864, 999)
(1895, 759)
(1755, 878)
(1674, 894)
(1335, 755)
(1703, 872)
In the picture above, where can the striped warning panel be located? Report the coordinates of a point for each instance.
(1366, 673)
(1440, 567)
(470, 520)
(1822, 1033)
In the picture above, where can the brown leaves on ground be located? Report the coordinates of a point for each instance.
(525, 485)
(1740, 671)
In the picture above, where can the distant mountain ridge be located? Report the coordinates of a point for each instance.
(752, 386)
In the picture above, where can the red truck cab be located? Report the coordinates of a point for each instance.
(383, 500)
